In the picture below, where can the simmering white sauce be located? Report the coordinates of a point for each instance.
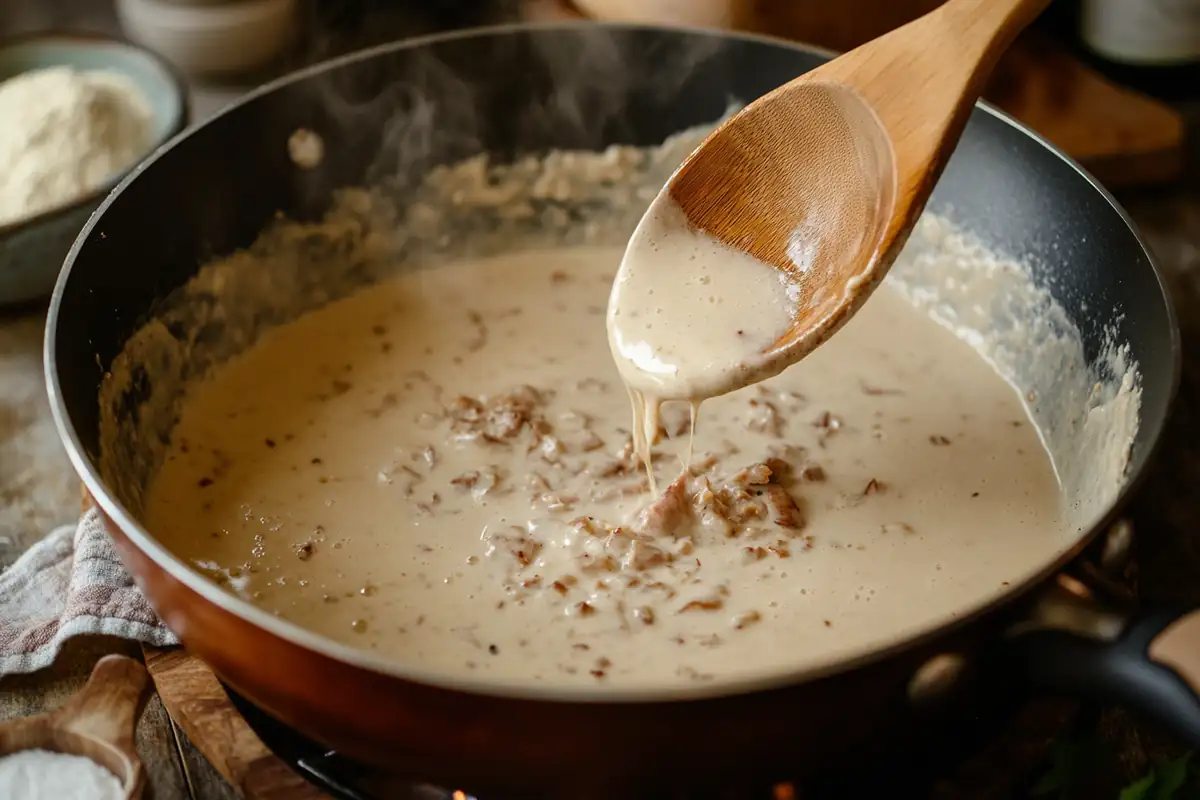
(440, 468)
(688, 315)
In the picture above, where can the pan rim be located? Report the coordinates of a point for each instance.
(324, 647)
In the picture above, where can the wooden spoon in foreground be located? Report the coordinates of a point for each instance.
(825, 177)
(97, 723)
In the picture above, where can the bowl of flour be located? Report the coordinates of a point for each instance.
(77, 113)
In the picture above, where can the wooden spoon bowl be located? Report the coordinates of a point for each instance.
(97, 723)
(824, 177)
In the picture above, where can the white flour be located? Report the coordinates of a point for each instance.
(44, 775)
(64, 133)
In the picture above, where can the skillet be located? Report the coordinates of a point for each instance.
(213, 189)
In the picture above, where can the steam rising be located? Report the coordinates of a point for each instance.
(564, 89)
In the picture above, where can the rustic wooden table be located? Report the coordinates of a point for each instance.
(38, 490)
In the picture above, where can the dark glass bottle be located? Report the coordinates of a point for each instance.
(1149, 45)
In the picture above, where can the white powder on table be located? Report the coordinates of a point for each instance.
(45, 775)
(64, 133)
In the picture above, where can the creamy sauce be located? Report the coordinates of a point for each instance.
(690, 318)
(689, 315)
(440, 469)
(437, 471)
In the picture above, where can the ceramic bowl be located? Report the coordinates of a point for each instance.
(213, 39)
(32, 249)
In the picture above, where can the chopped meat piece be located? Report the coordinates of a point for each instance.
(813, 474)
(467, 480)
(479, 482)
(712, 603)
(827, 421)
(497, 419)
(787, 513)
(750, 554)
(641, 554)
(506, 417)
(781, 471)
(515, 543)
(755, 475)
(764, 418)
(464, 410)
(645, 614)
(668, 512)
(614, 469)
(828, 424)
(591, 526)
(711, 508)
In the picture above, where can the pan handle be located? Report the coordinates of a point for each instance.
(1147, 660)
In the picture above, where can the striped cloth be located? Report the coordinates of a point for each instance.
(70, 583)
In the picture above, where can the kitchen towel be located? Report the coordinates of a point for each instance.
(70, 583)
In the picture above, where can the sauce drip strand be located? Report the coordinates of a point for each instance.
(690, 318)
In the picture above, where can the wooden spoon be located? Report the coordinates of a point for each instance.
(97, 723)
(825, 177)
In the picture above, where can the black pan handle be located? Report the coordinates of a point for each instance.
(1146, 660)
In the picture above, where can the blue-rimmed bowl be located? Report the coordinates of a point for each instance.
(32, 249)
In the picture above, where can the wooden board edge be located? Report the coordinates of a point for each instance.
(198, 704)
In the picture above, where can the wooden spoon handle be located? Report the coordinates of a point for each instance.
(946, 54)
(107, 707)
(986, 25)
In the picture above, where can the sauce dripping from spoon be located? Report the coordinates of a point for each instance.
(777, 229)
(690, 318)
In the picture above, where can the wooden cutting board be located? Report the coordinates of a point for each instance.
(1122, 137)
(195, 700)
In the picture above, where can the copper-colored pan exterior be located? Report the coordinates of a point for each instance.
(522, 745)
